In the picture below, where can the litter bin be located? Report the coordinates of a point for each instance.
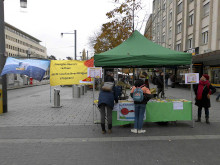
(56, 98)
(76, 91)
(1, 100)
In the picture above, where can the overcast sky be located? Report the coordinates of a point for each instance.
(47, 19)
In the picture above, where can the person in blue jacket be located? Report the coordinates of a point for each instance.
(106, 102)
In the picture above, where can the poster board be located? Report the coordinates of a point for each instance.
(191, 78)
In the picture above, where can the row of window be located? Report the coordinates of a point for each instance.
(190, 18)
(205, 11)
(23, 43)
(15, 48)
(20, 34)
(189, 42)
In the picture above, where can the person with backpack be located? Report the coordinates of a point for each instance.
(203, 90)
(107, 96)
(140, 94)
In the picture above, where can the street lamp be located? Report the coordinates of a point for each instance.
(28, 53)
(3, 79)
(23, 3)
(75, 40)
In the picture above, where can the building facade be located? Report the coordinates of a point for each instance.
(19, 44)
(22, 45)
(190, 26)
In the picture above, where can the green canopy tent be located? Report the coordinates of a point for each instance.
(138, 51)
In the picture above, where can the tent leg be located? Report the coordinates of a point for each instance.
(191, 88)
(93, 96)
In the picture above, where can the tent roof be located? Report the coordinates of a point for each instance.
(138, 51)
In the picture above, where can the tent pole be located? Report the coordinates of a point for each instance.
(93, 96)
(164, 70)
(191, 88)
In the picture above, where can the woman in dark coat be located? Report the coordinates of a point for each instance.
(203, 91)
(106, 101)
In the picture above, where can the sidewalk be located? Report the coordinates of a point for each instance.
(37, 110)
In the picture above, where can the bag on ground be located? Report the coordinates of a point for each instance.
(138, 95)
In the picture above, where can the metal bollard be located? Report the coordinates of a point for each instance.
(85, 89)
(76, 91)
(82, 89)
(73, 90)
(56, 98)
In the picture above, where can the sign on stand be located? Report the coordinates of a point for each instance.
(95, 72)
(191, 78)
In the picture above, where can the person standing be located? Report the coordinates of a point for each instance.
(107, 96)
(203, 90)
(217, 98)
(139, 107)
(160, 84)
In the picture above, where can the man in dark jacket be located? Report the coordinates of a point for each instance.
(203, 91)
(160, 85)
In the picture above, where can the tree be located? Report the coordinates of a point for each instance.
(119, 28)
(52, 57)
(84, 54)
(69, 58)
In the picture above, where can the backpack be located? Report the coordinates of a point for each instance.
(138, 95)
(107, 87)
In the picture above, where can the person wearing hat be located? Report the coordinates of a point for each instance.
(203, 90)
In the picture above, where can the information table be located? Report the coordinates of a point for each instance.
(123, 112)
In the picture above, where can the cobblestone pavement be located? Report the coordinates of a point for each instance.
(37, 109)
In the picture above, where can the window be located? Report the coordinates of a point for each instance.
(191, 19)
(190, 43)
(206, 9)
(189, 1)
(178, 47)
(205, 37)
(164, 5)
(170, 32)
(163, 22)
(163, 38)
(170, 16)
(179, 28)
(180, 7)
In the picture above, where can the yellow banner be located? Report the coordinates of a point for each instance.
(67, 72)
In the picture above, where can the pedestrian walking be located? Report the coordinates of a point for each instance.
(217, 98)
(203, 90)
(107, 96)
(139, 91)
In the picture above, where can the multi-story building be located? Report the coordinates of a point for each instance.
(21, 45)
(190, 26)
(148, 29)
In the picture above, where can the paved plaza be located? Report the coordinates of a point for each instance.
(33, 132)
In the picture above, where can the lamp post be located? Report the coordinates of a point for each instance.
(23, 3)
(28, 53)
(3, 79)
(75, 41)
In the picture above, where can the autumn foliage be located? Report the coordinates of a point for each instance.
(119, 28)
